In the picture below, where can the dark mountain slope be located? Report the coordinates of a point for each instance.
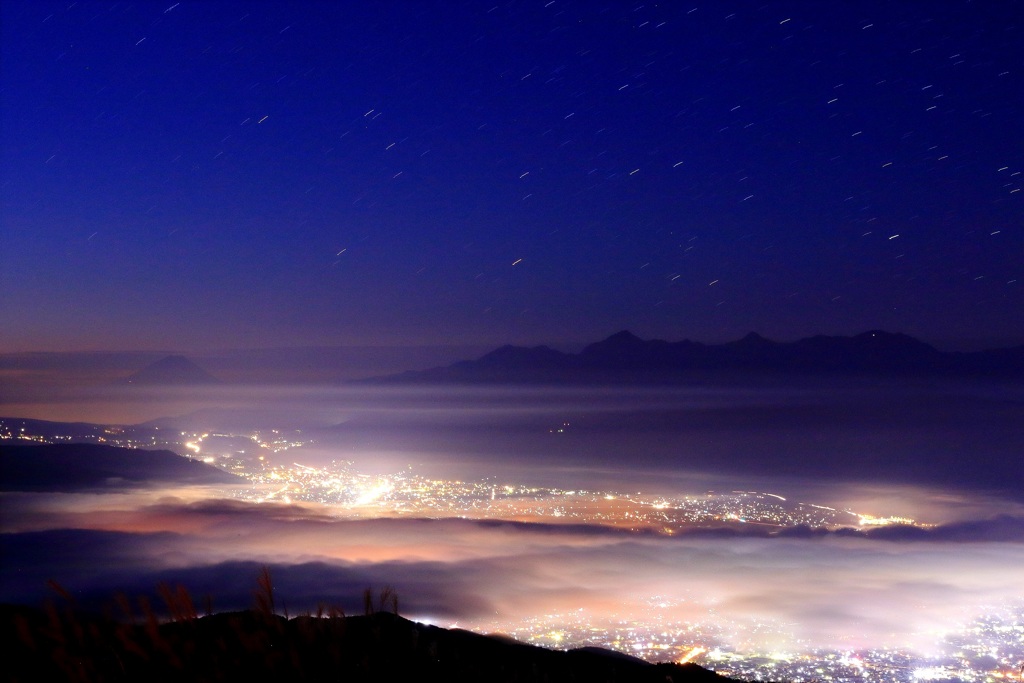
(256, 646)
(89, 467)
(524, 364)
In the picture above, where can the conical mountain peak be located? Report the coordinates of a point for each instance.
(172, 370)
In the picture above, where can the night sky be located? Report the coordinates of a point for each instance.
(202, 175)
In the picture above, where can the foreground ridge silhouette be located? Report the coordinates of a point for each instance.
(62, 643)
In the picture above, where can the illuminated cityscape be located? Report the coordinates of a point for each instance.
(988, 647)
(258, 456)
(405, 493)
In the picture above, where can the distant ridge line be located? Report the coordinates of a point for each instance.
(626, 358)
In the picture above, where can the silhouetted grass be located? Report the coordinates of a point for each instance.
(132, 642)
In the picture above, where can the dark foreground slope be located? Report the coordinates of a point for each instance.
(257, 646)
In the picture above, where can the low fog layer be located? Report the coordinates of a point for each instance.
(944, 454)
(827, 589)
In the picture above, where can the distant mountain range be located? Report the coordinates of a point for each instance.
(171, 371)
(93, 467)
(624, 357)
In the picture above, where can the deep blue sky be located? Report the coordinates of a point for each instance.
(201, 175)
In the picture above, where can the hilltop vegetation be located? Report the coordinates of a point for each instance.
(62, 644)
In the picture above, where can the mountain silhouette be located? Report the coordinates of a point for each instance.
(625, 357)
(171, 371)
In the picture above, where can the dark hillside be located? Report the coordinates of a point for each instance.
(89, 467)
(257, 646)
